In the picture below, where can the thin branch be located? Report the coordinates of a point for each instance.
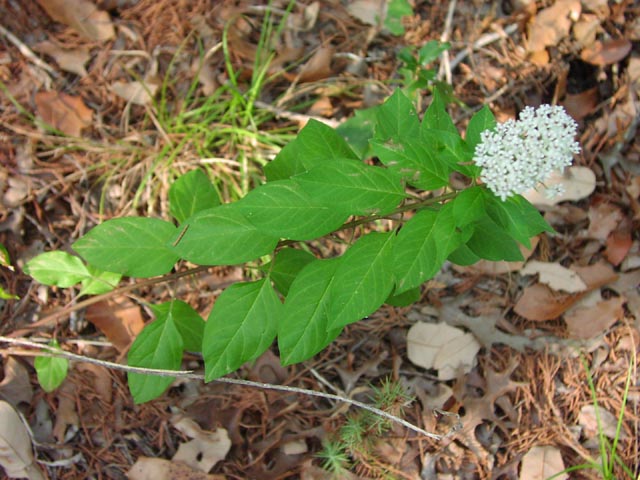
(50, 351)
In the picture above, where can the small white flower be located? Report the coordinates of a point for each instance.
(520, 155)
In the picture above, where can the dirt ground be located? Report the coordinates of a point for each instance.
(526, 407)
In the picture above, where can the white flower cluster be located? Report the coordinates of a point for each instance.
(520, 155)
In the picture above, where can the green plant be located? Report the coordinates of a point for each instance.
(609, 457)
(315, 187)
(415, 72)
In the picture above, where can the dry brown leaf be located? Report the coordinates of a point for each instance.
(66, 414)
(538, 303)
(585, 29)
(15, 387)
(603, 219)
(205, 449)
(16, 454)
(588, 420)
(583, 104)
(119, 319)
(606, 53)
(541, 463)
(589, 321)
(318, 67)
(81, 15)
(578, 183)
(618, 245)
(444, 348)
(596, 275)
(102, 382)
(147, 468)
(139, 93)
(555, 276)
(69, 60)
(369, 12)
(64, 112)
(552, 24)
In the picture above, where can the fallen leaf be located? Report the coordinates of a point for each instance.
(606, 53)
(541, 463)
(16, 454)
(618, 245)
(64, 112)
(596, 275)
(555, 276)
(581, 105)
(318, 67)
(81, 15)
(119, 319)
(578, 183)
(444, 348)
(139, 93)
(147, 468)
(538, 303)
(585, 30)
(66, 415)
(552, 24)
(604, 217)
(628, 285)
(295, 447)
(205, 449)
(590, 321)
(69, 60)
(588, 420)
(15, 387)
(369, 12)
(102, 381)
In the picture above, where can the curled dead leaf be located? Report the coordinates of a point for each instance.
(555, 276)
(541, 463)
(119, 319)
(552, 24)
(539, 303)
(578, 183)
(16, 454)
(590, 321)
(64, 112)
(69, 60)
(81, 15)
(139, 93)
(606, 53)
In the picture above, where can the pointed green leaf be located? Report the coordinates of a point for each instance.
(315, 144)
(404, 299)
(363, 280)
(159, 346)
(463, 256)
(418, 164)
(397, 119)
(241, 326)
(51, 371)
(436, 117)
(482, 120)
(491, 242)
(99, 282)
(431, 50)
(57, 268)
(283, 209)
(359, 129)
(286, 267)
(188, 322)
(133, 246)
(518, 217)
(396, 9)
(470, 205)
(222, 236)
(422, 246)
(190, 194)
(304, 328)
(353, 188)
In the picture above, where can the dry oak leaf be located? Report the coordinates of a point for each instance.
(555, 276)
(578, 183)
(16, 454)
(205, 449)
(442, 347)
(119, 319)
(69, 60)
(552, 24)
(603, 219)
(589, 321)
(147, 468)
(64, 112)
(540, 463)
(15, 387)
(592, 425)
(606, 53)
(81, 15)
(139, 93)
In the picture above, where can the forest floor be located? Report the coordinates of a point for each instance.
(125, 89)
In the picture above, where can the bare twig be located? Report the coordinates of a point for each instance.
(50, 351)
(445, 68)
(26, 51)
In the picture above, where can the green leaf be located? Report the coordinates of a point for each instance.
(463, 256)
(517, 217)
(404, 299)
(57, 268)
(303, 329)
(397, 119)
(286, 267)
(491, 242)
(436, 117)
(453, 150)
(133, 246)
(190, 194)
(99, 282)
(415, 162)
(422, 246)
(359, 129)
(159, 346)
(353, 188)
(482, 120)
(188, 322)
(283, 209)
(362, 281)
(396, 9)
(4, 295)
(315, 144)
(241, 326)
(222, 236)
(5, 261)
(431, 50)
(470, 205)
(51, 371)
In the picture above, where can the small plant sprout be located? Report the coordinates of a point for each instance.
(520, 155)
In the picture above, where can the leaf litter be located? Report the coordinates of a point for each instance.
(520, 390)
